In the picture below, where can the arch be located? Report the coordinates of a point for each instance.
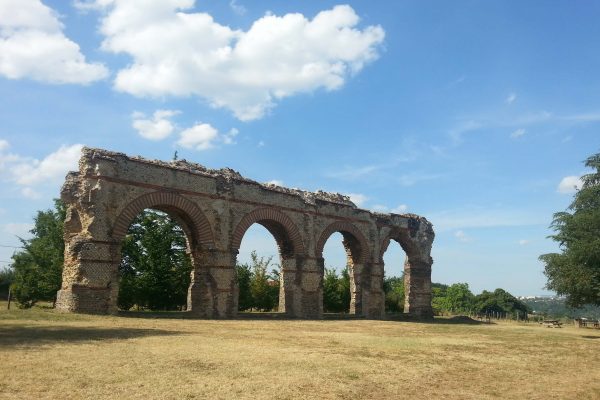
(183, 210)
(280, 225)
(403, 239)
(344, 227)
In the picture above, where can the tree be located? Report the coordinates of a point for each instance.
(499, 301)
(7, 276)
(459, 298)
(393, 288)
(155, 268)
(244, 276)
(264, 288)
(575, 272)
(38, 268)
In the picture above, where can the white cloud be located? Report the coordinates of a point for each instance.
(18, 229)
(30, 193)
(523, 242)
(32, 45)
(156, 128)
(4, 144)
(182, 53)
(261, 144)
(511, 98)
(462, 236)
(357, 198)
(569, 184)
(237, 7)
(518, 133)
(229, 137)
(199, 137)
(276, 182)
(51, 169)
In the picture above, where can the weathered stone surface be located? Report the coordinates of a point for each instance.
(215, 208)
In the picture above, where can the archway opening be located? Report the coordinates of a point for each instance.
(258, 269)
(393, 281)
(155, 266)
(340, 255)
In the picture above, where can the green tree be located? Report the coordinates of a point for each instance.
(332, 301)
(264, 287)
(155, 268)
(393, 288)
(499, 301)
(244, 277)
(575, 272)
(7, 276)
(336, 291)
(38, 268)
(458, 298)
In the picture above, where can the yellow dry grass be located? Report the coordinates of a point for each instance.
(47, 355)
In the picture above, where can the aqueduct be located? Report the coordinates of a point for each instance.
(215, 208)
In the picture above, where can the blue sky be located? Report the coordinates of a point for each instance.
(476, 115)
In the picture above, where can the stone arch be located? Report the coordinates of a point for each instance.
(403, 240)
(351, 234)
(284, 230)
(190, 217)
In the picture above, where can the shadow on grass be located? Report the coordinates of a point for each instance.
(23, 335)
(590, 337)
(157, 314)
(456, 320)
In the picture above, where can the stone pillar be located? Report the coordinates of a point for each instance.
(90, 277)
(290, 291)
(311, 271)
(213, 291)
(358, 281)
(417, 288)
(373, 294)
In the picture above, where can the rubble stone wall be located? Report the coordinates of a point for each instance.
(215, 208)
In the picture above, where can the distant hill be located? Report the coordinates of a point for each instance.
(556, 307)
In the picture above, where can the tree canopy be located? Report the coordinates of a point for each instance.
(155, 269)
(38, 267)
(575, 272)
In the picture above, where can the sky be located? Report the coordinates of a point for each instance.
(476, 115)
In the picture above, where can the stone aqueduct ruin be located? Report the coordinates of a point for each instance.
(215, 208)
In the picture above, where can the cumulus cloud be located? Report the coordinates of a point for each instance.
(523, 242)
(182, 53)
(4, 145)
(32, 45)
(198, 137)
(518, 133)
(156, 128)
(27, 172)
(569, 184)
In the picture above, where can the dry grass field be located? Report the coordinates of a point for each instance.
(47, 355)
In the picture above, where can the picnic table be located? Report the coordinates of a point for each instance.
(588, 323)
(551, 323)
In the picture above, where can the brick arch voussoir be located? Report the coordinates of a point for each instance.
(200, 226)
(268, 214)
(344, 226)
